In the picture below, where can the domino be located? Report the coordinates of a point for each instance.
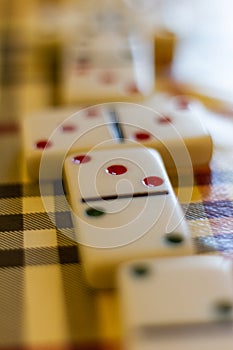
(107, 66)
(51, 135)
(123, 208)
(166, 103)
(174, 127)
(183, 303)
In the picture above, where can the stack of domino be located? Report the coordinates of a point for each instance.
(129, 226)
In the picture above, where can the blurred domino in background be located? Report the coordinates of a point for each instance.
(106, 67)
(180, 125)
(171, 126)
(52, 134)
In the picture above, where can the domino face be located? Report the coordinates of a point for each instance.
(107, 67)
(175, 131)
(50, 135)
(123, 208)
(177, 303)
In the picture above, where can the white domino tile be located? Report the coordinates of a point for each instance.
(123, 208)
(176, 132)
(177, 303)
(50, 135)
(107, 67)
(176, 129)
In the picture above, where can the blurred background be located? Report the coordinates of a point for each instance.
(191, 39)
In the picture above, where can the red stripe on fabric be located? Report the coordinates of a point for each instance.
(80, 346)
(8, 128)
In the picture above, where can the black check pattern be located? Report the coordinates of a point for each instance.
(22, 253)
(32, 239)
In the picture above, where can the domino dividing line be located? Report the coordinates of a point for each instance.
(123, 196)
(116, 125)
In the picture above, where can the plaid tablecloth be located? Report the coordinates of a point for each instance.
(44, 300)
